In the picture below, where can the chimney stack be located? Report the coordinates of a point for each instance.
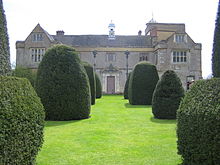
(60, 33)
(139, 33)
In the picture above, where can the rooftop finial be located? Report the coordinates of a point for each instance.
(152, 19)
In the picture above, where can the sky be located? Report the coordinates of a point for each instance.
(77, 17)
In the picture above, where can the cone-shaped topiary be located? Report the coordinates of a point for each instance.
(21, 121)
(126, 86)
(92, 81)
(98, 86)
(5, 67)
(142, 83)
(198, 124)
(63, 85)
(167, 96)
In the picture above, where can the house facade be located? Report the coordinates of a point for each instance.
(165, 45)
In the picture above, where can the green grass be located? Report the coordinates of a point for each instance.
(116, 134)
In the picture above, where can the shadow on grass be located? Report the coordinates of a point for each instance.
(127, 105)
(60, 123)
(163, 121)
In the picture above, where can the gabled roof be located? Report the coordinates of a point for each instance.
(103, 41)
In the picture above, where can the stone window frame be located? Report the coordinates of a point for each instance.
(37, 54)
(179, 56)
(110, 57)
(180, 38)
(143, 57)
(37, 37)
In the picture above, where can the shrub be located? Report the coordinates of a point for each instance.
(25, 73)
(142, 83)
(198, 124)
(126, 86)
(63, 85)
(98, 86)
(5, 67)
(21, 122)
(91, 76)
(167, 96)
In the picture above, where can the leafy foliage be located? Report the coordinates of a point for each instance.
(98, 86)
(25, 73)
(63, 85)
(216, 46)
(126, 86)
(167, 96)
(142, 83)
(92, 81)
(21, 121)
(198, 124)
(5, 67)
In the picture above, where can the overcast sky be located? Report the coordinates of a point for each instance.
(130, 16)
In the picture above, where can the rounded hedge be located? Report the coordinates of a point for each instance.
(63, 85)
(167, 96)
(98, 86)
(21, 121)
(23, 72)
(126, 86)
(92, 81)
(142, 83)
(198, 124)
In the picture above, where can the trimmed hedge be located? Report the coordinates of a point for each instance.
(198, 124)
(98, 86)
(21, 122)
(142, 83)
(92, 81)
(167, 96)
(23, 72)
(63, 85)
(126, 86)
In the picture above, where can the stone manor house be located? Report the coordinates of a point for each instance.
(165, 45)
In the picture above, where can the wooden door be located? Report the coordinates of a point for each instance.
(110, 84)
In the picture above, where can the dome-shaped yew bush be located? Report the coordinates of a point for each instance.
(21, 122)
(63, 85)
(198, 124)
(167, 96)
(142, 83)
(98, 86)
(92, 81)
(126, 86)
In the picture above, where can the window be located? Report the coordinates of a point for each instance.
(179, 38)
(111, 57)
(179, 56)
(143, 57)
(37, 37)
(37, 54)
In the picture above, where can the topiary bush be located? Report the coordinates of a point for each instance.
(21, 122)
(63, 85)
(98, 86)
(25, 73)
(198, 124)
(92, 81)
(126, 86)
(167, 96)
(142, 83)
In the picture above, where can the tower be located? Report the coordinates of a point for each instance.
(111, 28)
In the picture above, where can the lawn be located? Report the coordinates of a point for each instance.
(116, 134)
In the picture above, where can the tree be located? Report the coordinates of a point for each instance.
(198, 124)
(142, 83)
(63, 85)
(216, 46)
(126, 86)
(98, 86)
(92, 82)
(167, 96)
(5, 67)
